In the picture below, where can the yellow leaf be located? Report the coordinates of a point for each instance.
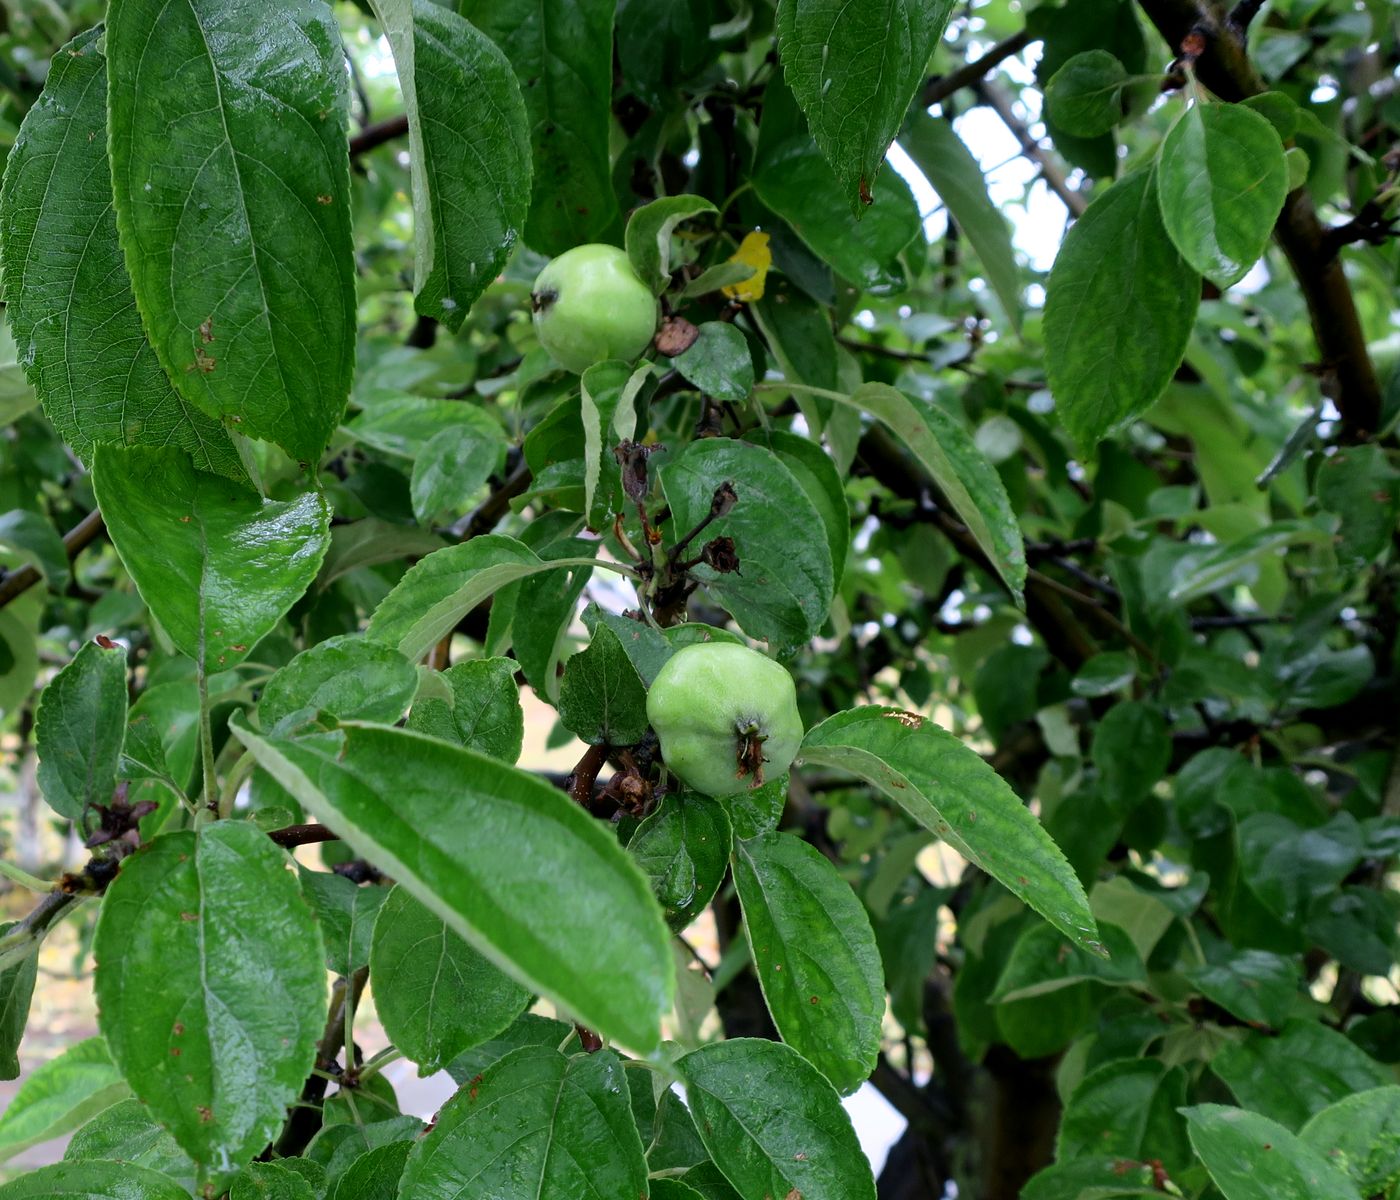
(752, 252)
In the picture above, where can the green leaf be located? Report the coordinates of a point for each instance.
(270, 1181)
(797, 331)
(1291, 1077)
(1126, 1108)
(812, 467)
(1257, 987)
(436, 996)
(79, 730)
(546, 604)
(854, 69)
(215, 563)
(673, 1189)
(1119, 307)
(1042, 962)
(794, 180)
(16, 991)
(719, 363)
(649, 232)
(1216, 567)
(60, 1095)
(1131, 749)
(646, 647)
(1288, 868)
(1104, 674)
(67, 295)
(211, 987)
(370, 542)
(404, 426)
(815, 955)
(374, 1175)
(1360, 485)
(531, 1029)
(784, 586)
(949, 790)
(441, 588)
(451, 470)
(1251, 1158)
(1361, 1135)
(19, 650)
(348, 677)
(92, 1181)
(1099, 1178)
(490, 849)
(484, 712)
(34, 539)
(683, 849)
(338, 1147)
(17, 396)
(962, 472)
(346, 913)
(534, 1126)
(562, 52)
(1085, 96)
(469, 153)
(957, 178)
(605, 390)
(772, 1123)
(240, 255)
(601, 698)
(1221, 183)
(126, 1132)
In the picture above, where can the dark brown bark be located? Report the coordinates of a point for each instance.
(1350, 377)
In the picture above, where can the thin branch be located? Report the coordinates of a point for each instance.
(1065, 638)
(1050, 169)
(585, 774)
(376, 135)
(17, 582)
(305, 1119)
(302, 835)
(485, 516)
(940, 87)
(1223, 66)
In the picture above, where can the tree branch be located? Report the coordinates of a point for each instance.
(302, 835)
(1224, 67)
(485, 516)
(374, 136)
(17, 582)
(1064, 637)
(1050, 169)
(940, 87)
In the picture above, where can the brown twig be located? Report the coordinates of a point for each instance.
(1223, 66)
(1050, 169)
(17, 582)
(302, 835)
(585, 774)
(305, 1118)
(488, 513)
(940, 87)
(376, 135)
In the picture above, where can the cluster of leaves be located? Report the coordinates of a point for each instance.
(1099, 594)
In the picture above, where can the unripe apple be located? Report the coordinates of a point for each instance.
(590, 306)
(726, 716)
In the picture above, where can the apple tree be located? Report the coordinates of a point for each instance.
(930, 468)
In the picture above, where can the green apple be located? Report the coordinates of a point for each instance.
(590, 306)
(725, 714)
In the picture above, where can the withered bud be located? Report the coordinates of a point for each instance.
(632, 458)
(721, 555)
(675, 337)
(725, 498)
